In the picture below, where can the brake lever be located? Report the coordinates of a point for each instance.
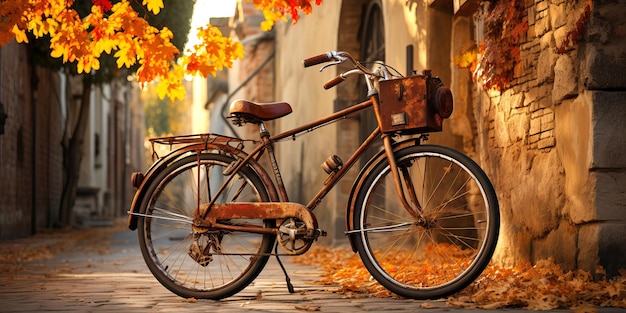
(339, 60)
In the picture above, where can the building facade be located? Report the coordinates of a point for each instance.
(30, 149)
(552, 138)
(37, 104)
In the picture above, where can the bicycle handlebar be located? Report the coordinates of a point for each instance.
(318, 59)
(338, 57)
(334, 82)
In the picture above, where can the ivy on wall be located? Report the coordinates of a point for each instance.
(500, 49)
(492, 61)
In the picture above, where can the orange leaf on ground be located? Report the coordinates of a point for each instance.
(544, 286)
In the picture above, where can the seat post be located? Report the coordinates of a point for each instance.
(264, 132)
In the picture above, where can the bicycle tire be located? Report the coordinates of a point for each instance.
(166, 239)
(453, 242)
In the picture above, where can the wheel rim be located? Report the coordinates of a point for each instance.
(191, 263)
(444, 247)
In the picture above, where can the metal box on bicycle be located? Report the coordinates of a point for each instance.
(413, 105)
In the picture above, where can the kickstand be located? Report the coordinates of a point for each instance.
(289, 285)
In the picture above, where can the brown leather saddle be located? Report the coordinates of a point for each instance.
(243, 111)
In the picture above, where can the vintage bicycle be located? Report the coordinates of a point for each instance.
(423, 218)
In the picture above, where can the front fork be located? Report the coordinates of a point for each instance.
(410, 203)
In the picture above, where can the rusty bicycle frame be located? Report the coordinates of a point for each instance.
(209, 214)
(194, 208)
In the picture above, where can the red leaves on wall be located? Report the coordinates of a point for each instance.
(504, 30)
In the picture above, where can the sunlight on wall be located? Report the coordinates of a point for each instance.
(206, 9)
(200, 116)
(404, 31)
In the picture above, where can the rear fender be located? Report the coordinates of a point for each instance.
(175, 155)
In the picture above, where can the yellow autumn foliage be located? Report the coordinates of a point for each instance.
(118, 29)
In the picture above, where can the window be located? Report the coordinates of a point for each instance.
(372, 39)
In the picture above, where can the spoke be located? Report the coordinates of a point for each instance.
(385, 211)
(461, 214)
(228, 191)
(451, 184)
(422, 173)
(223, 257)
(463, 228)
(442, 254)
(446, 171)
(437, 252)
(457, 195)
(186, 221)
(239, 191)
(181, 195)
(393, 243)
(168, 233)
(462, 239)
(174, 250)
(382, 229)
(245, 243)
(187, 218)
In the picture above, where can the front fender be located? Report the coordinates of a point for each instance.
(175, 155)
(358, 182)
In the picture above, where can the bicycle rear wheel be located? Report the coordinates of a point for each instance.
(449, 245)
(213, 264)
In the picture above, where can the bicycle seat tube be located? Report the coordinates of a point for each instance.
(265, 136)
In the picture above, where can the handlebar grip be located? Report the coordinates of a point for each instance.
(334, 82)
(324, 57)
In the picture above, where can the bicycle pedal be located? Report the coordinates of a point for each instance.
(320, 232)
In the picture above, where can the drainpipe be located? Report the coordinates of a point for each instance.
(3, 114)
(254, 40)
(127, 134)
(3, 119)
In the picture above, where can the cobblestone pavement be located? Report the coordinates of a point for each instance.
(108, 274)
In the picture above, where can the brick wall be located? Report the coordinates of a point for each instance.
(30, 185)
(49, 153)
(15, 210)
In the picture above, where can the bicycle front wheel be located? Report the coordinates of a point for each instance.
(448, 239)
(211, 264)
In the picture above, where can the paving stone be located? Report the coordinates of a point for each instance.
(118, 280)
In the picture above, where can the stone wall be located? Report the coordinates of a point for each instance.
(553, 143)
(31, 156)
(601, 73)
(554, 140)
